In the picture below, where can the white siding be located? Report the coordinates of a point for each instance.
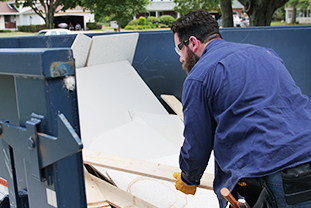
(30, 19)
(2, 23)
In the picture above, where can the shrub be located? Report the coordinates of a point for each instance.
(91, 25)
(130, 27)
(5, 31)
(133, 22)
(30, 28)
(143, 27)
(150, 24)
(153, 19)
(142, 21)
(166, 19)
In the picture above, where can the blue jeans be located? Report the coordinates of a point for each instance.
(274, 182)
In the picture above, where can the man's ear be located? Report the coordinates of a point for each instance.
(193, 44)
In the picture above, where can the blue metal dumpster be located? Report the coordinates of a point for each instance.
(41, 158)
(41, 161)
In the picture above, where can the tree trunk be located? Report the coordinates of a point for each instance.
(260, 11)
(50, 16)
(226, 11)
(119, 23)
(119, 27)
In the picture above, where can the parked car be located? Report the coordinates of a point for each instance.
(246, 21)
(63, 25)
(54, 32)
(237, 21)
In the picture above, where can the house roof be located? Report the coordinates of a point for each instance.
(7, 9)
(58, 9)
(161, 6)
(237, 5)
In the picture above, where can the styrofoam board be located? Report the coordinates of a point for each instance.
(135, 140)
(106, 95)
(112, 48)
(80, 49)
(169, 126)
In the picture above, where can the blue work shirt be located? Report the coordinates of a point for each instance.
(240, 101)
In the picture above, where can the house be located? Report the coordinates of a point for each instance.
(8, 15)
(301, 15)
(11, 16)
(157, 8)
(238, 7)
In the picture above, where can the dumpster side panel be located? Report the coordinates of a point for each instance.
(9, 42)
(8, 106)
(58, 41)
(39, 88)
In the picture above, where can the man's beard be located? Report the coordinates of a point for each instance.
(190, 61)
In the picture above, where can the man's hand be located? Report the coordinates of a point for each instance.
(181, 186)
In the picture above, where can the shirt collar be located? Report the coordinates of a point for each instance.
(211, 45)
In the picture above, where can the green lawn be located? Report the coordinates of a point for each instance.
(11, 34)
(285, 24)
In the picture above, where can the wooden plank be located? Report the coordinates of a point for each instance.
(94, 196)
(140, 167)
(174, 104)
(113, 195)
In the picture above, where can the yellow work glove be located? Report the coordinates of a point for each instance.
(181, 186)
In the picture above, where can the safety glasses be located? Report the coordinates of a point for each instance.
(179, 46)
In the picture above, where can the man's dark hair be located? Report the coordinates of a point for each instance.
(196, 23)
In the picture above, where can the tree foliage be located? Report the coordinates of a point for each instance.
(119, 9)
(47, 9)
(185, 6)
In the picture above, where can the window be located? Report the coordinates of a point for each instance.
(62, 32)
(12, 18)
(7, 18)
(41, 33)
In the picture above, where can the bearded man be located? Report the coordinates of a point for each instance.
(240, 101)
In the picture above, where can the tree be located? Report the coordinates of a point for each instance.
(120, 9)
(302, 4)
(260, 12)
(185, 6)
(48, 8)
(226, 11)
